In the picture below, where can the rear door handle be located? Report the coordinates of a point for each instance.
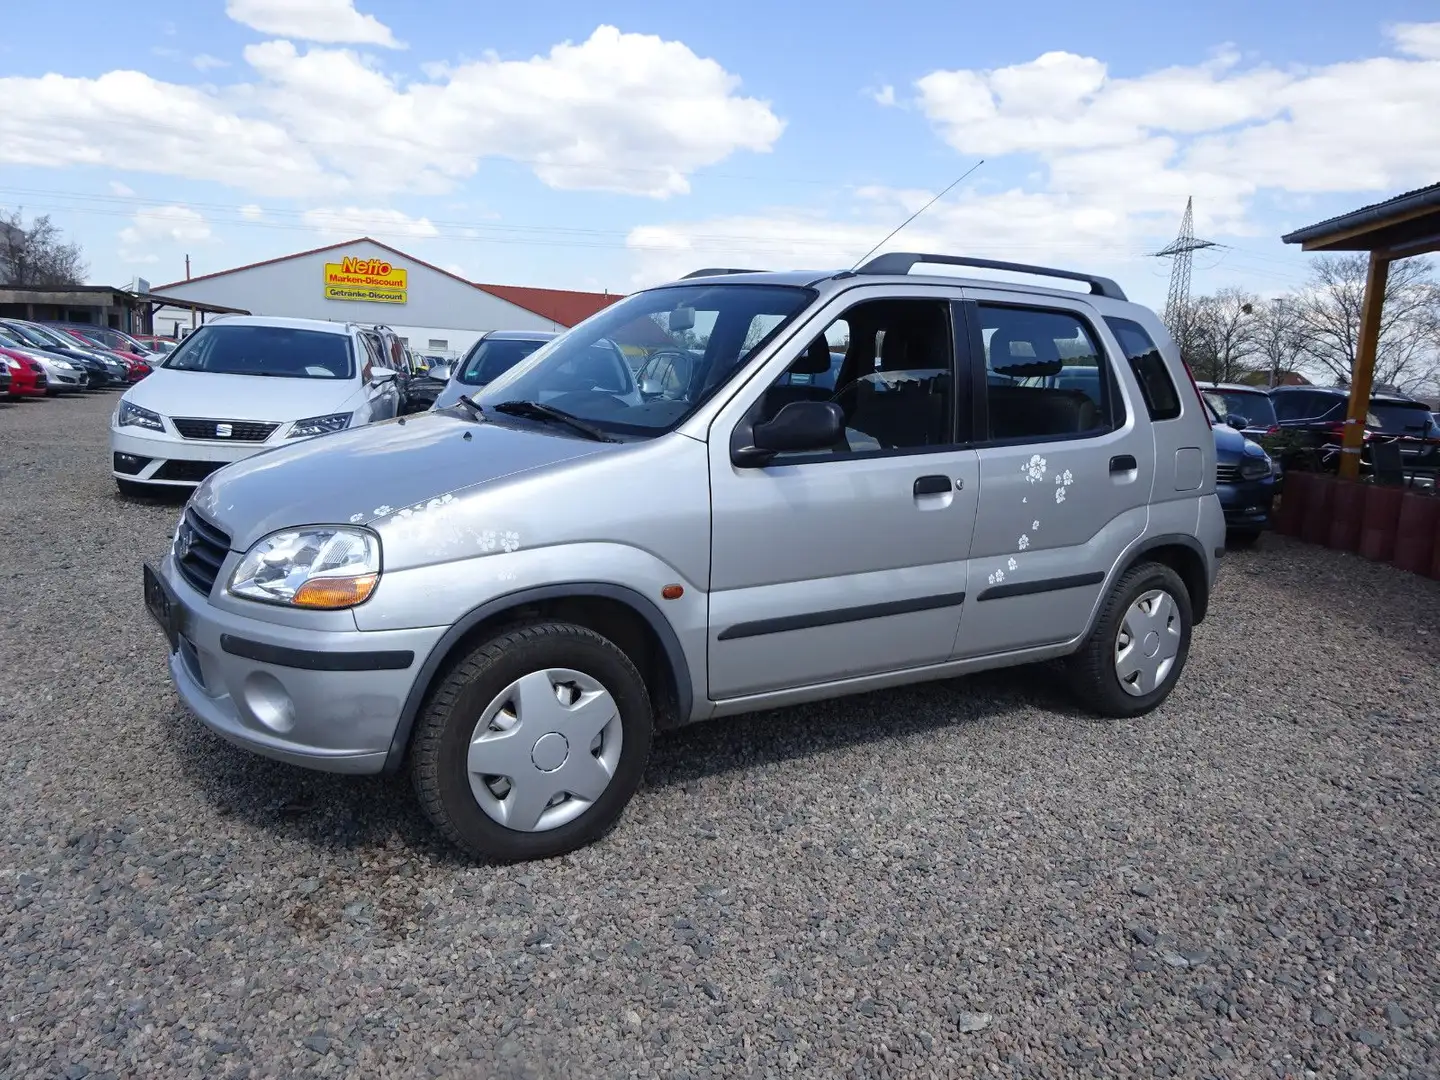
(932, 485)
(1123, 463)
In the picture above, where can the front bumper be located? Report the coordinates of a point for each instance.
(1247, 503)
(170, 460)
(60, 379)
(238, 675)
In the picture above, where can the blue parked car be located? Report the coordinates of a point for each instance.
(1245, 482)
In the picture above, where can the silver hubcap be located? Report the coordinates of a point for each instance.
(544, 750)
(1148, 642)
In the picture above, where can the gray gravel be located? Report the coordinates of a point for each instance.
(961, 879)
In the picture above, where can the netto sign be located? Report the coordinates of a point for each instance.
(373, 281)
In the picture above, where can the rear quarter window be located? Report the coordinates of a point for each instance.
(1162, 400)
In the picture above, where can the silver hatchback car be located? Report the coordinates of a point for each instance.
(823, 484)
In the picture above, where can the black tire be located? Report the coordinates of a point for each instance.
(1242, 538)
(1093, 676)
(446, 724)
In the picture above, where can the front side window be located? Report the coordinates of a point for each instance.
(1256, 409)
(695, 338)
(1045, 376)
(270, 351)
(889, 365)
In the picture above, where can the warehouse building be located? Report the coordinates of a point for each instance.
(438, 313)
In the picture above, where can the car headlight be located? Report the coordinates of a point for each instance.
(129, 415)
(326, 566)
(1254, 468)
(13, 365)
(63, 365)
(320, 425)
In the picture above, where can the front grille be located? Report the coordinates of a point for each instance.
(1226, 474)
(200, 548)
(190, 472)
(240, 430)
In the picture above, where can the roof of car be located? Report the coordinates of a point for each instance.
(1340, 391)
(1244, 387)
(324, 326)
(522, 335)
(842, 278)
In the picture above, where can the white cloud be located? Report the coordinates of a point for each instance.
(251, 212)
(161, 225)
(335, 22)
(350, 221)
(122, 190)
(206, 62)
(884, 96)
(618, 112)
(126, 120)
(1417, 39)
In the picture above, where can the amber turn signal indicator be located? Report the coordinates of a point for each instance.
(673, 592)
(333, 593)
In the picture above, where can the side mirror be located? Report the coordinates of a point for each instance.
(1239, 423)
(379, 375)
(799, 426)
(439, 372)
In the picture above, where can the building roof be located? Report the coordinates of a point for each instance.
(1408, 221)
(561, 306)
(558, 305)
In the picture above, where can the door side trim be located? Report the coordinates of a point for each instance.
(1030, 588)
(835, 616)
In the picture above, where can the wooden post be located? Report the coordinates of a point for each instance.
(1364, 375)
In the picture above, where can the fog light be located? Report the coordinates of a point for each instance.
(268, 701)
(129, 464)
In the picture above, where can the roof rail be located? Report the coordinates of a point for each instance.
(716, 271)
(901, 262)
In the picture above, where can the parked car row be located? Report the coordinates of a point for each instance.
(58, 358)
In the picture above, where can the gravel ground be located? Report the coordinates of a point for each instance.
(962, 879)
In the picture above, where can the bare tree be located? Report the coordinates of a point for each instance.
(1328, 312)
(1225, 335)
(37, 254)
(1279, 341)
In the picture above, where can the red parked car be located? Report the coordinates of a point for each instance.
(136, 365)
(27, 377)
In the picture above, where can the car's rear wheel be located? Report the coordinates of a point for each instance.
(533, 743)
(1139, 645)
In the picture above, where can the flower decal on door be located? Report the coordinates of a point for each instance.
(1034, 469)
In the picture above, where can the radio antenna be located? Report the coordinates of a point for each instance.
(917, 213)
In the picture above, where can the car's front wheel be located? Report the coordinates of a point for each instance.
(1138, 647)
(532, 744)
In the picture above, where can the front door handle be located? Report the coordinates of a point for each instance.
(932, 485)
(1123, 463)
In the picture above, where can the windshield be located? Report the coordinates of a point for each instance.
(276, 351)
(36, 335)
(1257, 409)
(694, 336)
(1395, 418)
(492, 357)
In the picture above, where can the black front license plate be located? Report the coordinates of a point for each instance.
(161, 604)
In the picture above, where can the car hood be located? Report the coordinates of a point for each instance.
(373, 472)
(241, 397)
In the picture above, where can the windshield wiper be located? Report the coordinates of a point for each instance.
(469, 403)
(536, 410)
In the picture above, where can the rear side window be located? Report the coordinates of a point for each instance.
(1156, 387)
(1045, 377)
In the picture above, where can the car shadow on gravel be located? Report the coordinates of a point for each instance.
(362, 814)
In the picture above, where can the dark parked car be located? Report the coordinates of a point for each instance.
(1244, 481)
(1248, 409)
(103, 370)
(1316, 416)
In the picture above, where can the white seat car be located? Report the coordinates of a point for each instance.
(241, 385)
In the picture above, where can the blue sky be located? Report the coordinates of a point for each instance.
(669, 136)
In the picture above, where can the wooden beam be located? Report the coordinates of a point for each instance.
(1363, 377)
